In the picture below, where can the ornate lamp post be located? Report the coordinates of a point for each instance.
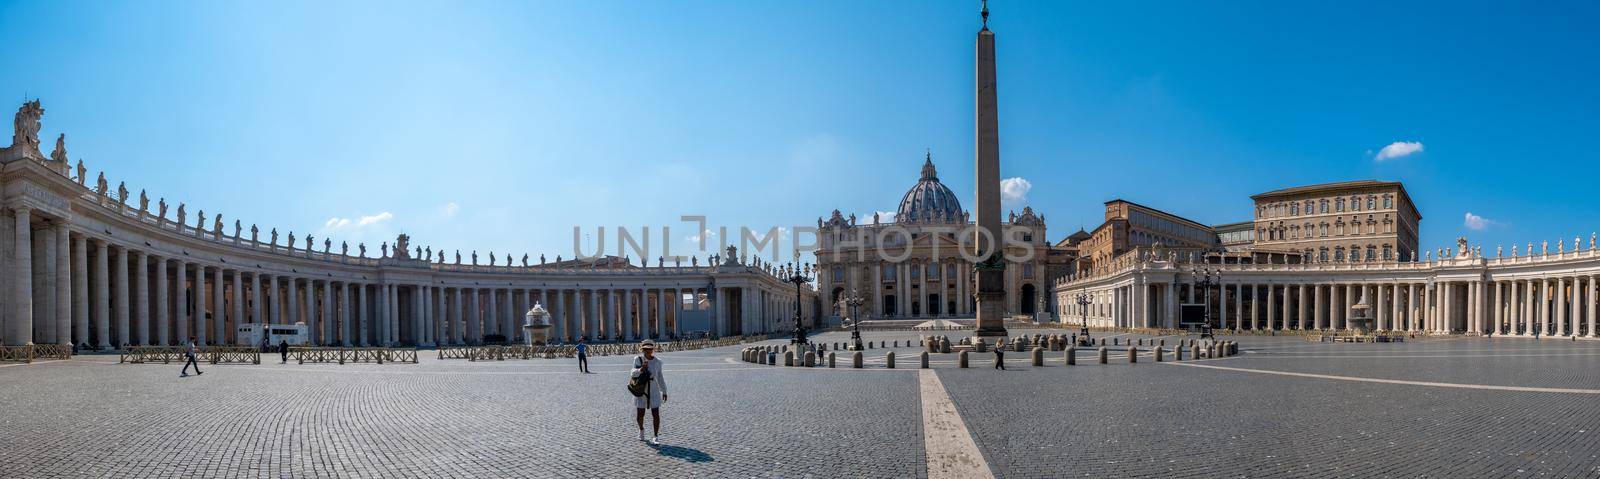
(799, 278)
(1205, 278)
(854, 300)
(1083, 305)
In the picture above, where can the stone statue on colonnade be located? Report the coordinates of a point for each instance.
(122, 192)
(144, 202)
(25, 133)
(344, 248)
(384, 249)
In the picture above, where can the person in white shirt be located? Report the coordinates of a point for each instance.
(189, 352)
(648, 367)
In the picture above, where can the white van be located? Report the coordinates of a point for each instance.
(252, 333)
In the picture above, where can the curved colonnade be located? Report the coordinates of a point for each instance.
(84, 268)
(1549, 293)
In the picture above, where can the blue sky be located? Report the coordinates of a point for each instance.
(498, 126)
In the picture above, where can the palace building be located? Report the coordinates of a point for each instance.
(83, 266)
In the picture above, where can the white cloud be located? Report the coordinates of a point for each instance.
(337, 223)
(1015, 190)
(449, 210)
(1399, 149)
(1477, 223)
(374, 219)
(708, 234)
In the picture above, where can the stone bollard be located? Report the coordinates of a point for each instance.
(1158, 354)
(788, 358)
(811, 359)
(1177, 352)
(961, 360)
(772, 358)
(1072, 355)
(855, 360)
(1038, 356)
(980, 346)
(1133, 354)
(924, 360)
(1102, 355)
(830, 359)
(888, 358)
(1211, 351)
(1022, 346)
(944, 346)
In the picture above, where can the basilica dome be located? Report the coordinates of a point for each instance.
(928, 200)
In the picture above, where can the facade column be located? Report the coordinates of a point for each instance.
(1380, 307)
(163, 308)
(180, 293)
(1593, 303)
(1559, 297)
(101, 313)
(458, 326)
(80, 290)
(469, 305)
(219, 320)
(1320, 307)
(1255, 307)
(1303, 298)
(1499, 315)
(1396, 316)
(344, 312)
(199, 298)
(237, 308)
(120, 298)
(256, 303)
(1272, 303)
(627, 314)
(275, 303)
(360, 322)
(141, 290)
(19, 327)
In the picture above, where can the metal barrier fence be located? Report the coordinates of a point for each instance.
(209, 354)
(501, 353)
(302, 355)
(26, 354)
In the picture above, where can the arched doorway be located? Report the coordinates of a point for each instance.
(888, 305)
(1027, 299)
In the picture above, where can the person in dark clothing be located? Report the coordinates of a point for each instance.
(583, 356)
(283, 351)
(189, 353)
(1000, 356)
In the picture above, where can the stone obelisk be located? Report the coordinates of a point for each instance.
(991, 291)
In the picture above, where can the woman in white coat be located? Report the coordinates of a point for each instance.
(648, 366)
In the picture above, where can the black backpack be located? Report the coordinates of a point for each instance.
(640, 384)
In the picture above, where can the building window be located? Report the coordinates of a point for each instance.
(1322, 256)
(916, 272)
(888, 272)
(1372, 253)
(1324, 204)
(933, 271)
(1027, 270)
(1388, 202)
(838, 274)
(1338, 254)
(1388, 253)
(1371, 203)
(1027, 237)
(1294, 209)
(1338, 205)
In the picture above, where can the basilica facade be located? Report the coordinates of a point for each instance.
(914, 266)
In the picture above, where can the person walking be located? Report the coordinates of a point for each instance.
(283, 351)
(583, 356)
(1000, 356)
(189, 352)
(647, 370)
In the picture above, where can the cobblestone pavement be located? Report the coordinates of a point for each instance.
(1285, 407)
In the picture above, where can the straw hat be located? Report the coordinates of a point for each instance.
(647, 344)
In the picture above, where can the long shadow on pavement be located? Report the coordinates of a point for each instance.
(685, 453)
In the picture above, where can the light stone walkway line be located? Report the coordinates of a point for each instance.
(35, 363)
(1395, 381)
(1440, 355)
(949, 448)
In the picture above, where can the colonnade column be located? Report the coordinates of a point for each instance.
(238, 304)
(19, 327)
(80, 290)
(219, 320)
(101, 313)
(120, 298)
(163, 308)
(141, 290)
